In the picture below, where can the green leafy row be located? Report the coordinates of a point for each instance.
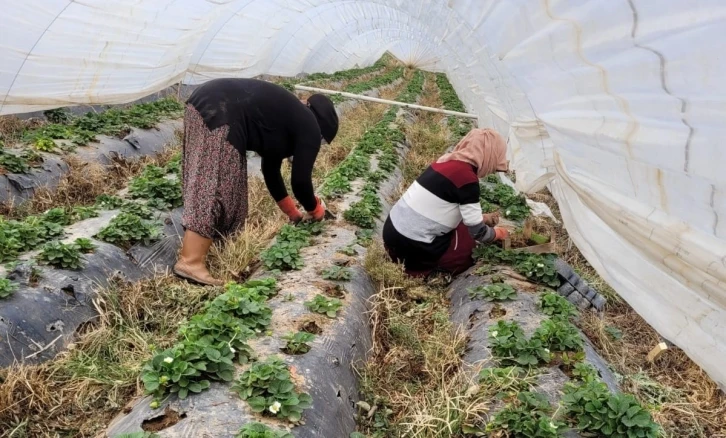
(451, 102)
(512, 205)
(84, 129)
(539, 268)
(211, 342)
(375, 82)
(381, 141)
(353, 73)
(284, 254)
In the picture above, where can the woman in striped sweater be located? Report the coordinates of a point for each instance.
(438, 221)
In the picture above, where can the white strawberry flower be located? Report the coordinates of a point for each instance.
(168, 360)
(494, 333)
(275, 408)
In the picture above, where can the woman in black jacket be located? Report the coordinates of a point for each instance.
(224, 119)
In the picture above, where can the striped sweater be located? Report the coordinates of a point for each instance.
(420, 224)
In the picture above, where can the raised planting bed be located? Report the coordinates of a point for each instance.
(321, 289)
(543, 375)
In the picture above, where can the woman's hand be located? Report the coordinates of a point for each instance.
(490, 219)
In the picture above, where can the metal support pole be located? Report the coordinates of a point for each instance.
(388, 102)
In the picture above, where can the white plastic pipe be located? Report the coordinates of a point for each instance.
(386, 101)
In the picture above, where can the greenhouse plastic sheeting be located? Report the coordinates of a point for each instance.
(616, 105)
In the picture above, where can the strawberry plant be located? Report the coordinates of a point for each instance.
(348, 250)
(109, 202)
(58, 216)
(217, 325)
(595, 411)
(259, 430)
(538, 268)
(61, 255)
(246, 305)
(283, 255)
(261, 289)
(13, 163)
(338, 273)
(268, 389)
(297, 343)
(558, 334)
(493, 292)
(555, 305)
(324, 306)
(7, 288)
(161, 192)
(508, 342)
(45, 144)
(127, 229)
(363, 237)
(85, 245)
(81, 213)
(58, 115)
(584, 372)
(529, 416)
(137, 209)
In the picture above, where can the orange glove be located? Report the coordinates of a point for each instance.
(318, 214)
(288, 207)
(500, 234)
(490, 219)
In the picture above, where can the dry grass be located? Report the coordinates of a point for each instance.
(687, 403)
(428, 136)
(416, 371)
(84, 387)
(12, 128)
(416, 367)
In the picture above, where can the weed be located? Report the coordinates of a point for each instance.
(337, 273)
(493, 292)
(259, 430)
(85, 245)
(505, 382)
(297, 343)
(7, 288)
(268, 388)
(529, 416)
(325, 306)
(615, 333)
(127, 229)
(554, 305)
(61, 255)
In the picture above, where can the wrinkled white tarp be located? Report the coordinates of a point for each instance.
(616, 104)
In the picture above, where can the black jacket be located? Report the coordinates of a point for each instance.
(267, 119)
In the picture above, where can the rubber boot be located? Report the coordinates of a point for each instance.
(191, 264)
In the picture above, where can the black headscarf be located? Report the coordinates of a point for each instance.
(324, 111)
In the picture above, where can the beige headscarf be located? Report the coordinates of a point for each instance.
(484, 149)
